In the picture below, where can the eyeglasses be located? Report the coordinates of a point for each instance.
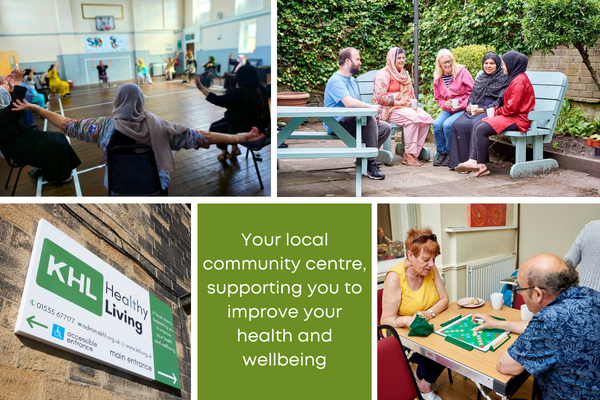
(446, 62)
(519, 290)
(424, 238)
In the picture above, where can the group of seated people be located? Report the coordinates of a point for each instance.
(246, 120)
(463, 127)
(559, 345)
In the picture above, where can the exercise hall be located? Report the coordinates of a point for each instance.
(153, 97)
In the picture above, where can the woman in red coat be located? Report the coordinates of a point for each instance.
(510, 115)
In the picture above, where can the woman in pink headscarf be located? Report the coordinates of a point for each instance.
(393, 91)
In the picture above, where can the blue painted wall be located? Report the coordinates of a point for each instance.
(75, 66)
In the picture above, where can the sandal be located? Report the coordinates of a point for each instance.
(464, 168)
(234, 154)
(222, 157)
(473, 176)
(414, 164)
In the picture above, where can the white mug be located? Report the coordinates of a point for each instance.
(496, 300)
(474, 108)
(525, 313)
(414, 103)
(454, 103)
(490, 112)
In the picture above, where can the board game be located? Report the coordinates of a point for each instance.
(460, 332)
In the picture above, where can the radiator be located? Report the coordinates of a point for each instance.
(158, 69)
(484, 278)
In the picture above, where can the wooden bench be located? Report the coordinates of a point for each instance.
(550, 89)
(355, 147)
(365, 88)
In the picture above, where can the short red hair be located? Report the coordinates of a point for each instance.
(430, 247)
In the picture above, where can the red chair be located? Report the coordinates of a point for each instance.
(395, 380)
(519, 301)
(379, 306)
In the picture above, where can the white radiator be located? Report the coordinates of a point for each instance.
(484, 278)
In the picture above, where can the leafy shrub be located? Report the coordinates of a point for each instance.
(453, 23)
(471, 56)
(428, 103)
(310, 33)
(573, 122)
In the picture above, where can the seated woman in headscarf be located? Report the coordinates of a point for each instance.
(516, 101)
(23, 143)
(210, 69)
(486, 94)
(190, 66)
(170, 68)
(393, 90)
(130, 119)
(246, 105)
(55, 83)
(142, 70)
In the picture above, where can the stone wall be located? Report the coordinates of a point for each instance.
(157, 236)
(568, 61)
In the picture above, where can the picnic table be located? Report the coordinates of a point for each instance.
(354, 149)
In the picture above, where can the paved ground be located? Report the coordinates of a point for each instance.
(336, 177)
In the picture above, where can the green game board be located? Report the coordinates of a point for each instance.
(461, 332)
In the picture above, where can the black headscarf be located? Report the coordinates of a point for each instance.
(516, 64)
(489, 85)
(247, 76)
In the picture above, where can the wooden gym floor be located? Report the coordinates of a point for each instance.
(197, 172)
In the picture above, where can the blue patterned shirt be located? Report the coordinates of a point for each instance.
(561, 346)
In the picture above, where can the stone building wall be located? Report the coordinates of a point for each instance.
(568, 61)
(156, 245)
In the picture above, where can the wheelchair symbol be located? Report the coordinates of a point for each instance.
(58, 332)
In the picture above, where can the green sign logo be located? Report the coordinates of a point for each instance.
(70, 278)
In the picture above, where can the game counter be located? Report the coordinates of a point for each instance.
(475, 365)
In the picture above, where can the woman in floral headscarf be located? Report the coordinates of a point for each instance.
(393, 91)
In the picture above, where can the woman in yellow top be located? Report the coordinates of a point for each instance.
(55, 83)
(415, 287)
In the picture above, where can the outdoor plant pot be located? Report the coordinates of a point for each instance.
(588, 141)
(596, 143)
(597, 149)
(291, 99)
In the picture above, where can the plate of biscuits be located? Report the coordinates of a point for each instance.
(470, 302)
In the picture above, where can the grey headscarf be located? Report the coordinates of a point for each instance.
(131, 120)
(489, 85)
(4, 98)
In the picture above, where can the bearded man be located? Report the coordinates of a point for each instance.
(342, 91)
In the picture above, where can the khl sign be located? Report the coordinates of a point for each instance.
(75, 301)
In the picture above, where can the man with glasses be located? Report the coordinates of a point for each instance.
(560, 345)
(342, 91)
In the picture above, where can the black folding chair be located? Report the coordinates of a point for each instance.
(253, 148)
(132, 171)
(12, 164)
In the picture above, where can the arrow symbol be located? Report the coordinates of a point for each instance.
(170, 377)
(31, 322)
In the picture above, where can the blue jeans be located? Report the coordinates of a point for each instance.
(442, 130)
